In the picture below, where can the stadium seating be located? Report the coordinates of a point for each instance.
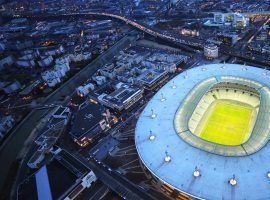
(239, 90)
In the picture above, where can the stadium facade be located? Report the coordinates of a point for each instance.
(187, 166)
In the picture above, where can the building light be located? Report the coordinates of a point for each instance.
(152, 137)
(265, 72)
(233, 181)
(162, 97)
(153, 115)
(185, 76)
(268, 174)
(197, 172)
(174, 86)
(167, 157)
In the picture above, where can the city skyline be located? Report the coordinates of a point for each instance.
(137, 99)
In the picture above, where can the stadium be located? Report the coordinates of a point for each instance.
(205, 134)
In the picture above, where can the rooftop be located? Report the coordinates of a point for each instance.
(87, 118)
(121, 96)
(150, 76)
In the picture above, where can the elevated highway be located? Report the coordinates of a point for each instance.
(190, 44)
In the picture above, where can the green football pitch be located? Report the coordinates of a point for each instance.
(227, 123)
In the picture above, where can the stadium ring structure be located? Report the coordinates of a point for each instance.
(188, 167)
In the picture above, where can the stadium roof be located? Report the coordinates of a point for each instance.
(174, 161)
